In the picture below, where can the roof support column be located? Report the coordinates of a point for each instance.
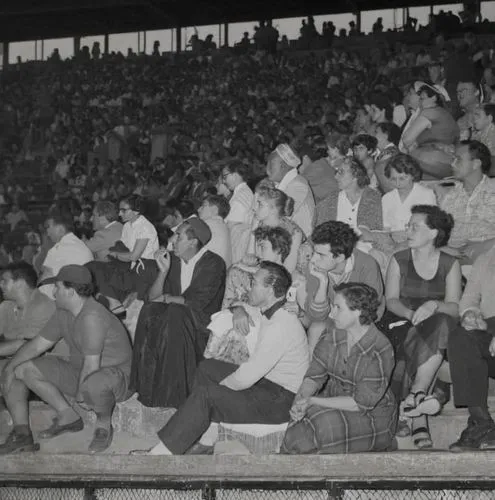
(226, 34)
(77, 45)
(178, 38)
(5, 55)
(106, 44)
(358, 21)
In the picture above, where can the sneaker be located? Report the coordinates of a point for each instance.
(102, 439)
(16, 443)
(474, 435)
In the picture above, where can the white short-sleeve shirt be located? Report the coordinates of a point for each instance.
(396, 213)
(141, 229)
(241, 205)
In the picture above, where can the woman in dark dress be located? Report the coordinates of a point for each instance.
(423, 291)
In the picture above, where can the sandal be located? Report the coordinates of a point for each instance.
(421, 438)
(412, 401)
(428, 405)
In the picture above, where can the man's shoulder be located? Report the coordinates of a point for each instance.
(41, 302)
(362, 259)
(212, 259)
(299, 181)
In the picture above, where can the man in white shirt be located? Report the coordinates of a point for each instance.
(282, 170)
(259, 391)
(67, 249)
(213, 211)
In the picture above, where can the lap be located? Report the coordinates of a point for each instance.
(58, 372)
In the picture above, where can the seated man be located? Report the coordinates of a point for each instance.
(24, 311)
(282, 170)
(171, 333)
(259, 391)
(335, 261)
(67, 249)
(96, 373)
(108, 230)
(471, 352)
(471, 203)
(213, 211)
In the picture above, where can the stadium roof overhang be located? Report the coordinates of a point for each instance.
(44, 19)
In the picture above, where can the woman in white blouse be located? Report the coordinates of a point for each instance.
(132, 268)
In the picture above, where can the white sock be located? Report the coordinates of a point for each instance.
(160, 449)
(210, 437)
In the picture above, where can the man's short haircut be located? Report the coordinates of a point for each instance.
(479, 151)
(436, 218)
(238, 167)
(22, 271)
(360, 297)
(339, 141)
(279, 238)
(191, 234)
(366, 140)
(184, 207)
(404, 164)
(63, 220)
(107, 209)
(392, 130)
(136, 203)
(339, 235)
(277, 277)
(86, 290)
(220, 202)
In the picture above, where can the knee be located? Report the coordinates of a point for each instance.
(27, 372)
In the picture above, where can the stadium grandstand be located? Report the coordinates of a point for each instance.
(248, 262)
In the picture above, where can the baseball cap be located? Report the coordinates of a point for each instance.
(200, 229)
(72, 273)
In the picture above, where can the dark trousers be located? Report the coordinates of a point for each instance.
(263, 403)
(471, 364)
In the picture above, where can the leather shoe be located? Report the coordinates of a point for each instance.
(102, 439)
(16, 443)
(474, 435)
(200, 449)
(56, 429)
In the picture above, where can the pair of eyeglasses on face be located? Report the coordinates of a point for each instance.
(225, 175)
(123, 209)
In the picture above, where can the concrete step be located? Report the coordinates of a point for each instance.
(130, 417)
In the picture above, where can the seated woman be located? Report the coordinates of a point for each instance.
(363, 148)
(387, 135)
(380, 110)
(273, 208)
(404, 173)
(344, 404)
(133, 268)
(355, 203)
(423, 290)
(430, 138)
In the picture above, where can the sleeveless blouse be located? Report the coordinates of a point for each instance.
(415, 290)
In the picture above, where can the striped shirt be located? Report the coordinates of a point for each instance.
(241, 205)
(474, 215)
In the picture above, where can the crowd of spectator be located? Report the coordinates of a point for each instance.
(252, 238)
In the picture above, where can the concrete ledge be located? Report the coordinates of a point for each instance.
(371, 468)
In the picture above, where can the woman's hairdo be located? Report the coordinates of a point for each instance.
(360, 297)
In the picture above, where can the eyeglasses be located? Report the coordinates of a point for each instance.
(121, 209)
(225, 175)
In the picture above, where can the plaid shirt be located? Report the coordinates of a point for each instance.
(474, 215)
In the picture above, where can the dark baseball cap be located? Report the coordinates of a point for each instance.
(72, 273)
(200, 229)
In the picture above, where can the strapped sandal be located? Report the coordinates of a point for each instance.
(421, 438)
(428, 405)
(412, 401)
